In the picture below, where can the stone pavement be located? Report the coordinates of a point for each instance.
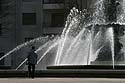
(61, 80)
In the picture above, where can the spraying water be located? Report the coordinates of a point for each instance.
(23, 45)
(110, 37)
(87, 39)
(50, 44)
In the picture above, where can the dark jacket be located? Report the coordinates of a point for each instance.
(32, 57)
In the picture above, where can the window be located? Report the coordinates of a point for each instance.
(29, 19)
(53, 1)
(57, 20)
(28, 0)
(2, 61)
(28, 39)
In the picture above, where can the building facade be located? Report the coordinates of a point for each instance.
(7, 29)
(23, 20)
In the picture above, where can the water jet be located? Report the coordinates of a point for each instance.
(88, 40)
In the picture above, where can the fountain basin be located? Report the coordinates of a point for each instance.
(98, 71)
(82, 67)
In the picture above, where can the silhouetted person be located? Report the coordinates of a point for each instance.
(32, 61)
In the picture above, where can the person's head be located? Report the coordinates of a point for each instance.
(33, 47)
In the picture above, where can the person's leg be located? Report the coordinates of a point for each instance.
(33, 70)
(29, 70)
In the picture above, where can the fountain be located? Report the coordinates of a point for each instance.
(88, 39)
(96, 41)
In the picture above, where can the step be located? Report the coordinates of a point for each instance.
(66, 73)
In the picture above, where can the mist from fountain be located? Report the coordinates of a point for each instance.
(85, 38)
(24, 45)
(46, 47)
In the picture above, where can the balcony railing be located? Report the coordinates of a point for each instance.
(52, 1)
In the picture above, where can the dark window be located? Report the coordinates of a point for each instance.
(57, 20)
(53, 1)
(0, 29)
(2, 61)
(29, 19)
(28, 0)
(28, 39)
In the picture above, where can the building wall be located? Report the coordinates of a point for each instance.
(7, 21)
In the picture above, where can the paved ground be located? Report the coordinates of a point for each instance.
(61, 80)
